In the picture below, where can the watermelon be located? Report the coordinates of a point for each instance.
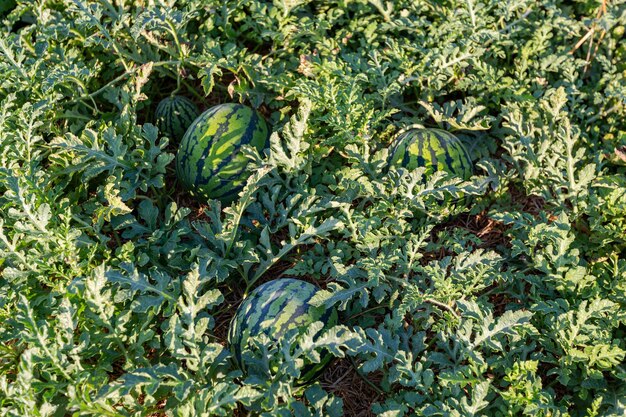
(174, 115)
(273, 308)
(209, 161)
(434, 149)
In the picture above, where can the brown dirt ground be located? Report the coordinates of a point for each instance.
(342, 380)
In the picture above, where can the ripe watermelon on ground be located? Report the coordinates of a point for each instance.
(174, 115)
(209, 161)
(272, 309)
(434, 149)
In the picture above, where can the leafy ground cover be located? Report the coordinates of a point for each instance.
(117, 287)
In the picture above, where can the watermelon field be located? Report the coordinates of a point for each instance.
(307, 208)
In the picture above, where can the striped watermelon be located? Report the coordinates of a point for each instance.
(274, 308)
(209, 162)
(174, 115)
(434, 149)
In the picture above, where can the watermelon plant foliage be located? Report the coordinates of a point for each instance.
(117, 287)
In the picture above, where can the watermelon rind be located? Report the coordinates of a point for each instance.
(274, 308)
(433, 149)
(174, 115)
(209, 161)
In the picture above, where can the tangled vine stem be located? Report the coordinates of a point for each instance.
(590, 36)
(364, 378)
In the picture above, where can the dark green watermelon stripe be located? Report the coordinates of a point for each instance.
(466, 161)
(448, 143)
(394, 150)
(326, 316)
(185, 120)
(285, 299)
(201, 177)
(212, 166)
(188, 143)
(231, 192)
(433, 147)
(254, 315)
(204, 117)
(256, 298)
(445, 144)
(268, 305)
(252, 126)
(438, 144)
(463, 159)
(260, 309)
(225, 182)
(245, 139)
(265, 298)
(300, 310)
(174, 114)
(189, 108)
(186, 112)
(168, 118)
(421, 161)
(457, 151)
(401, 145)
